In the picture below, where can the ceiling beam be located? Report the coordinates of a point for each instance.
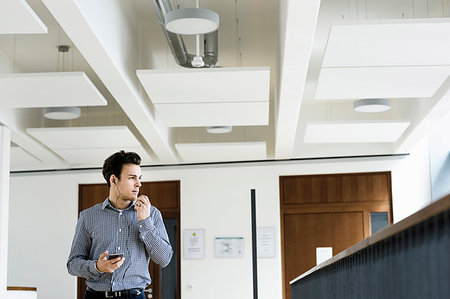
(105, 35)
(298, 21)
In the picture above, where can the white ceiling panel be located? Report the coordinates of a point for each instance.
(373, 82)
(59, 89)
(362, 132)
(96, 156)
(410, 42)
(210, 152)
(17, 17)
(85, 137)
(207, 85)
(89, 146)
(214, 114)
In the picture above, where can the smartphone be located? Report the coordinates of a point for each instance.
(114, 255)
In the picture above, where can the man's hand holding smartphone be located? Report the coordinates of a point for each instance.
(108, 264)
(114, 255)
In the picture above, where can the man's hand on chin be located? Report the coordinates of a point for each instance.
(142, 207)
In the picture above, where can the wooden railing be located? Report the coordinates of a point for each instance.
(410, 259)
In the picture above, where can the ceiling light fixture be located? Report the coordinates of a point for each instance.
(219, 129)
(192, 21)
(371, 105)
(62, 113)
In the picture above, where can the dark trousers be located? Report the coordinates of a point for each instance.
(125, 294)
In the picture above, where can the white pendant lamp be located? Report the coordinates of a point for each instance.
(192, 21)
(219, 129)
(372, 105)
(62, 113)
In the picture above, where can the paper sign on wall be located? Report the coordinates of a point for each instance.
(229, 247)
(193, 241)
(265, 242)
(323, 254)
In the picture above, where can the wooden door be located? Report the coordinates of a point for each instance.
(336, 230)
(327, 211)
(163, 195)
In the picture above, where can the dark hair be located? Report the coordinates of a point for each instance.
(114, 163)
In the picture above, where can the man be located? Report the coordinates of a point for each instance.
(123, 224)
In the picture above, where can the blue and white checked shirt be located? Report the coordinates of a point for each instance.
(102, 227)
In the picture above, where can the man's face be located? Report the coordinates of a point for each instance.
(130, 181)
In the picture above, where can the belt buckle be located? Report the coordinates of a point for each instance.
(112, 294)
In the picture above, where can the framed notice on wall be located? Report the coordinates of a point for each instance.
(229, 247)
(265, 241)
(193, 244)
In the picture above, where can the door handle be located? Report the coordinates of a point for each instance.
(148, 293)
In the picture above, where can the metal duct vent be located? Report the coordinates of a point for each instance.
(176, 42)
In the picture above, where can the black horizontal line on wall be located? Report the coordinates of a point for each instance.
(218, 163)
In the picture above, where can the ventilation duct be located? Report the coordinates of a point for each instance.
(176, 42)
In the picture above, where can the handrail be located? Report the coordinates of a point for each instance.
(418, 217)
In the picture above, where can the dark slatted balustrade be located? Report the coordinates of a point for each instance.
(409, 259)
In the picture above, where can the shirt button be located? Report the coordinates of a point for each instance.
(120, 229)
(120, 213)
(118, 248)
(140, 225)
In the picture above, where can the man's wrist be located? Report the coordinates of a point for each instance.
(96, 267)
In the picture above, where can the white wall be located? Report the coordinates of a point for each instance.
(440, 159)
(411, 190)
(43, 211)
(21, 295)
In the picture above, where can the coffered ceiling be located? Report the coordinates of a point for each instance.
(287, 75)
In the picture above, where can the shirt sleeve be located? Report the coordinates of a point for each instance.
(154, 235)
(78, 263)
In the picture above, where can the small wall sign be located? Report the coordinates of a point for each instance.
(194, 244)
(232, 247)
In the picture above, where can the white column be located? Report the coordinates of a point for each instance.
(5, 149)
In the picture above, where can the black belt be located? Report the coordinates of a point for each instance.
(116, 294)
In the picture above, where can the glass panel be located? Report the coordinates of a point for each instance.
(378, 220)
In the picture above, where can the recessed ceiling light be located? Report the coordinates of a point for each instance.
(191, 21)
(372, 105)
(62, 113)
(219, 129)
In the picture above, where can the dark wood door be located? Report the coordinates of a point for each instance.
(327, 211)
(163, 195)
(336, 230)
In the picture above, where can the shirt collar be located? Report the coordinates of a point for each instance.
(106, 203)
